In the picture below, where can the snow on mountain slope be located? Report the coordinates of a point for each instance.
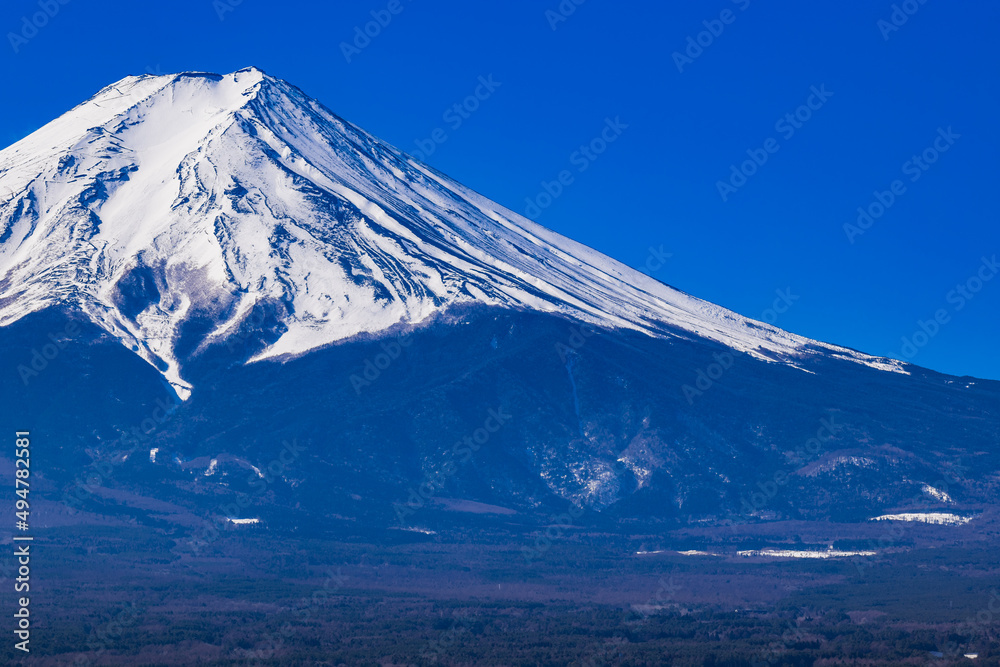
(203, 195)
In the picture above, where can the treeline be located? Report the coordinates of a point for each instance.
(401, 631)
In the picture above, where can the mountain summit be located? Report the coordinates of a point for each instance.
(168, 208)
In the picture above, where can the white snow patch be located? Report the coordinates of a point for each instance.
(795, 553)
(242, 522)
(936, 493)
(413, 529)
(939, 518)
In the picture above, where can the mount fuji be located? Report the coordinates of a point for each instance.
(169, 200)
(227, 244)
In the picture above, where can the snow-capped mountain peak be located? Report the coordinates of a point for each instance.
(169, 201)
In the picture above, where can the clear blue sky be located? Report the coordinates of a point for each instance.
(657, 183)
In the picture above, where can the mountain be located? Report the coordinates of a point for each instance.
(197, 268)
(172, 209)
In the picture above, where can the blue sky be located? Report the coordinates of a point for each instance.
(865, 98)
